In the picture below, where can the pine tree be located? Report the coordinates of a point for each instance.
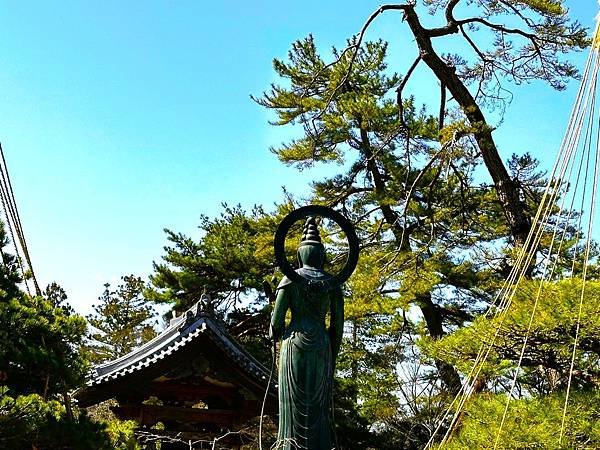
(437, 239)
(10, 275)
(40, 363)
(123, 319)
(535, 416)
(232, 258)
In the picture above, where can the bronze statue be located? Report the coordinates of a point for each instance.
(308, 349)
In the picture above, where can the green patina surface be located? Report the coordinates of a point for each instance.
(308, 351)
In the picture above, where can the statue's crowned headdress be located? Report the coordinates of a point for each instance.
(311, 251)
(310, 233)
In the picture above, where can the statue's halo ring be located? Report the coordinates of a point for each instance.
(321, 211)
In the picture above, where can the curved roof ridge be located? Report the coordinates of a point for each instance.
(181, 331)
(150, 344)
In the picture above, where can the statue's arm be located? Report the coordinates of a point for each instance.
(282, 304)
(336, 327)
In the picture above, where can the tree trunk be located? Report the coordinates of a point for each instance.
(506, 188)
(431, 313)
(390, 216)
(68, 407)
(433, 319)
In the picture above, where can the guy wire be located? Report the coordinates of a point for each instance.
(262, 409)
(505, 294)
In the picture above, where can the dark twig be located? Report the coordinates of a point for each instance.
(401, 87)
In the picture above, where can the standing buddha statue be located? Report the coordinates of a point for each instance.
(308, 349)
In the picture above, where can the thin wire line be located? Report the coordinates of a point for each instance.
(505, 296)
(16, 218)
(583, 284)
(538, 295)
(506, 293)
(536, 302)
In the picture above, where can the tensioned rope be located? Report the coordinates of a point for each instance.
(588, 140)
(585, 270)
(14, 225)
(572, 153)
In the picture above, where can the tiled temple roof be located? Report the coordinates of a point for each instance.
(199, 322)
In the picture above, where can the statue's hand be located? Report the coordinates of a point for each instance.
(274, 333)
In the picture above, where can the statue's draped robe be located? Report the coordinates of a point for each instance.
(307, 355)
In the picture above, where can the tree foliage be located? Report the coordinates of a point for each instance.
(122, 320)
(30, 421)
(40, 363)
(545, 316)
(232, 257)
(530, 423)
(10, 275)
(510, 42)
(39, 339)
(546, 360)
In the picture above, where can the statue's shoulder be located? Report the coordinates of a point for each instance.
(285, 281)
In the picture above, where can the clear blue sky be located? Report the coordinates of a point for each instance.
(121, 118)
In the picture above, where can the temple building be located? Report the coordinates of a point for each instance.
(193, 378)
